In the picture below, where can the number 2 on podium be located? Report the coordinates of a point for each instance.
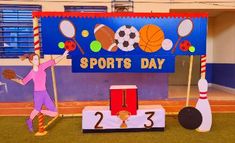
(97, 125)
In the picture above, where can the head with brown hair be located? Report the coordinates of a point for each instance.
(33, 58)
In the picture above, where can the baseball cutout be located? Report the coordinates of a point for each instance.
(167, 44)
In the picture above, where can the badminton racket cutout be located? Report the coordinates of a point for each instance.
(68, 30)
(184, 29)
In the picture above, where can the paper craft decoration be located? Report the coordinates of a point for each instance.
(204, 107)
(10, 74)
(124, 42)
(184, 29)
(68, 30)
(105, 36)
(123, 97)
(99, 119)
(151, 38)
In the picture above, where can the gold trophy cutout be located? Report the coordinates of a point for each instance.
(123, 115)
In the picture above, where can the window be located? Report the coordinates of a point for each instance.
(122, 6)
(16, 30)
(86, 8)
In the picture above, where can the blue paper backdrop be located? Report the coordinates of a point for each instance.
(51, 36)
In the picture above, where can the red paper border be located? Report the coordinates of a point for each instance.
(124, 15)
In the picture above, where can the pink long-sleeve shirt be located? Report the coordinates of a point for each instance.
(39, 77)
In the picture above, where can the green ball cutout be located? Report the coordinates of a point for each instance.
(61, 45)
(192, 49)
(95, 46)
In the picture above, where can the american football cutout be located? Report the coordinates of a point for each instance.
(105, 36)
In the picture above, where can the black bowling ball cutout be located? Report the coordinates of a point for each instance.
(190, 118)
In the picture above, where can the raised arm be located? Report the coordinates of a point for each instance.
(53, 61)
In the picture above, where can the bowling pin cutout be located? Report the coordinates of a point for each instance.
(203, 106)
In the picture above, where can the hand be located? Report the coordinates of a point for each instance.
(65, 53)
(17, 80)
(14, 79)
(59, 58)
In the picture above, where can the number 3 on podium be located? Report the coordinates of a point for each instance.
(149, 119)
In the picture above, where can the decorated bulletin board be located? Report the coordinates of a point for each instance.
(123, 42)
(127, 42)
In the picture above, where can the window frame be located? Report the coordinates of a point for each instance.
(77, 8)
(16, 29)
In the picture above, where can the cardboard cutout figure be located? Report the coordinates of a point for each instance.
(38, 75)
(204, 107)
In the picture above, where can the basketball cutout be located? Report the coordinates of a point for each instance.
(151, 37)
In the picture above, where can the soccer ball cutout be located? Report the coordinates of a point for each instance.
(127, 38)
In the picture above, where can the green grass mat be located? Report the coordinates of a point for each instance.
(68, 130)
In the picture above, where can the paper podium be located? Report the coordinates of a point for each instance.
(99, 119)
(123, 114)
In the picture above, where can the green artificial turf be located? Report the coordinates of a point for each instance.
(68, 130)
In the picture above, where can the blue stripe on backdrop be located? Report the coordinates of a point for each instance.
(221, 74)
(86, 86)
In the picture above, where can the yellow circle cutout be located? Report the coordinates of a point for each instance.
(85, 33)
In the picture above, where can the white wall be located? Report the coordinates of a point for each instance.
(224, 38)
(221, 38)
(209, 44)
